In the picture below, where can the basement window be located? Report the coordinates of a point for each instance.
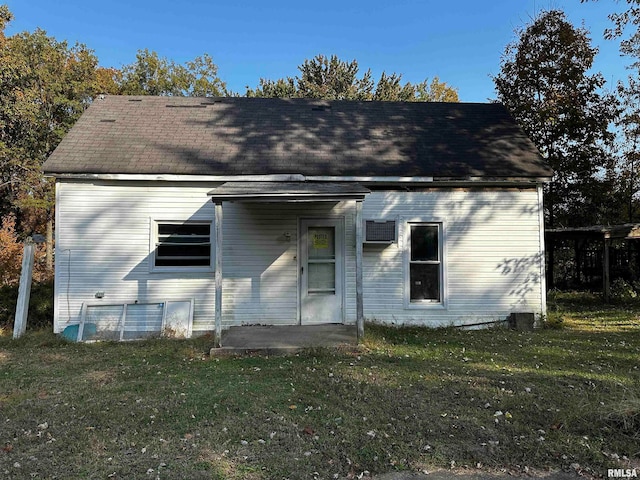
(182, 245)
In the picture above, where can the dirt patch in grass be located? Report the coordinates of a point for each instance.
(412, 399)
(100, 378)
(48, 357)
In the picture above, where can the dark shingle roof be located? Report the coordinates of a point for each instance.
(259, 136)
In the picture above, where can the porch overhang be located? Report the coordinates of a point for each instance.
(283, 192)
(276, 192)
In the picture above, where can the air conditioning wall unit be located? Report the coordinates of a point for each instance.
(382, 232)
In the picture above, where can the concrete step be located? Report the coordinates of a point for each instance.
(285, 340)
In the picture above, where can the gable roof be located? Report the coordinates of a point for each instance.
(265, 136)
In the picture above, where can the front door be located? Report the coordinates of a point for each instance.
(321, 270)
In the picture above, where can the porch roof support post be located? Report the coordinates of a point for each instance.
(359, 291)
(218, 275)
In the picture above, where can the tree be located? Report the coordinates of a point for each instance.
(628, 159)
(44, 87)
(436, 91)
(545, 85)
(332, 78)
(627, 166)
(153, 75)
(629, 46)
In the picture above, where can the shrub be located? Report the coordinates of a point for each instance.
(622, 290)
(553, 321)
(10, 252)
(11, 248)
(40, 306)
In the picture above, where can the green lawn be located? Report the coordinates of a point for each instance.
(565, 398)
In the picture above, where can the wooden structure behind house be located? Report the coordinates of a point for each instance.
(591, 257)
(294, 211)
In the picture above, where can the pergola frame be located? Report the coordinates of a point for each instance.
(601, 233)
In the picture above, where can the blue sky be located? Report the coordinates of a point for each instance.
(460, 41)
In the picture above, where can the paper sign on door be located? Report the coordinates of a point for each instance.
(320, 240)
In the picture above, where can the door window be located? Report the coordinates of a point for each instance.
(321, 260)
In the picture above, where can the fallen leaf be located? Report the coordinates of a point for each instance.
(8, 448)
(308, 430)
(292, 407)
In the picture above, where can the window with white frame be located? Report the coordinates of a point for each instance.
(425, 263)
(182, 245)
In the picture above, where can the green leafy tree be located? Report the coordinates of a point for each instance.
(154, 75)
(436, 91)
(281, 88)
(390, 88)
(335, 79)
(544, 82)
(108, 80)
(44, 87)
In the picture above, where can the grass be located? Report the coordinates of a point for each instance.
(565, 398)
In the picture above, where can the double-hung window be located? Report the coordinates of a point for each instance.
(181, 245)
(425, 275)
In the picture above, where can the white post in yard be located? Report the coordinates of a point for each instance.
(24, 291)
(359, 292)
(606, 280)
(218, 274)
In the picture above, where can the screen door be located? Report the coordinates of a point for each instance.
(321, 271)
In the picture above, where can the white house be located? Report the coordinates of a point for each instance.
(296, 211)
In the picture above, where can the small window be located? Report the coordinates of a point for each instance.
(425, 263)
(183, 245)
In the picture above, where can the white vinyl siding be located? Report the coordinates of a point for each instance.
(104, 242)
(260, 262)
(491, 258)
(103, 237)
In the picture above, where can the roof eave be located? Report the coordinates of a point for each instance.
(295, 177)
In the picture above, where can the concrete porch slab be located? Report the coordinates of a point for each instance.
(279, 340)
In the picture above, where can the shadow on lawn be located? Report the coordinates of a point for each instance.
(415, 399)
